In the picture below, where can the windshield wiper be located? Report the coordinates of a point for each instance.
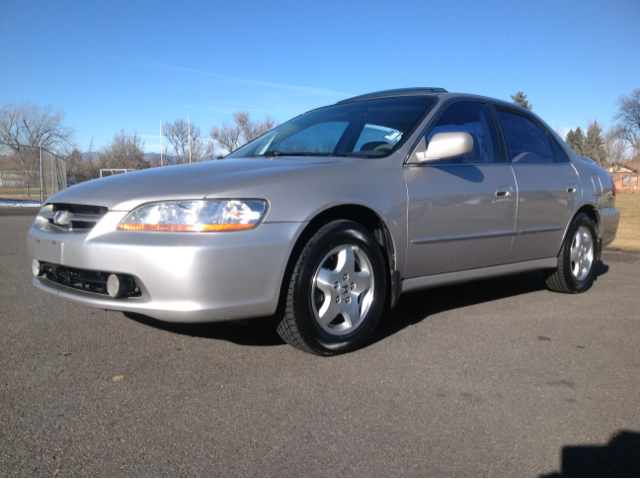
(294, 153)
(272, 153)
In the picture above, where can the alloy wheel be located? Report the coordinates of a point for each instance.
(342, 289)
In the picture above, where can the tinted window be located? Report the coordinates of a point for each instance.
(526, 141)
(561, 156)
(371, 128)
(473, 118)
(319, 138)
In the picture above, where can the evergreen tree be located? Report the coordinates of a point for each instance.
(570, 139)
(576, 139)
(594, 144)
(520, 99)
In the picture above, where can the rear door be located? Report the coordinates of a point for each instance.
(547, 186)
(462, 210)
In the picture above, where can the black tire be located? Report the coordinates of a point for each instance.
(564, 279)
(300, 326)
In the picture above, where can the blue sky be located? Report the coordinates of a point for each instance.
(111, 65)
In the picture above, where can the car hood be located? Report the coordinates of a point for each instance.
(124, 192)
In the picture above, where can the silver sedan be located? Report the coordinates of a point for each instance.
(330, 217)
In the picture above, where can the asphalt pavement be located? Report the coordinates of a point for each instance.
(493, 378)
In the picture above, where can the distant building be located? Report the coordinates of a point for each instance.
(625, 179)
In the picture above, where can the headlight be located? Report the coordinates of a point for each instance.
(214, 215)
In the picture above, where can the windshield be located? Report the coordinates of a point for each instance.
(370, 129)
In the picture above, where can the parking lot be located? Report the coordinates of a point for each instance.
(493, 378)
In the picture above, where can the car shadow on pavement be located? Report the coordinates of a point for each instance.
(247, 332)
(620, 457)
(414, 307)
(411, 309)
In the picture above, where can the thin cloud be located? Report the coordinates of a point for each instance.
(203, 106)
(297, 88)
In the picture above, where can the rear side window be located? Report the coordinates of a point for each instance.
(561, 156)
(526, 141)
(473, 118)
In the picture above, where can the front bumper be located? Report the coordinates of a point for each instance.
(184, 277)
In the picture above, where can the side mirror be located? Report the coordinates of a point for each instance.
(446, 145)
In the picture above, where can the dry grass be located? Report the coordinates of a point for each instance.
(628, 237)
(20, 193)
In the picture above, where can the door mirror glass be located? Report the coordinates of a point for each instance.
(446, 145)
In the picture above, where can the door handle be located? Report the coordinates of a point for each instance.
(572, 188)
(504, 191)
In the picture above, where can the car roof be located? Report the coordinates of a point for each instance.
(431, 91)
(394, 92)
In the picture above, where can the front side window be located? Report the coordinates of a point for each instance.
(473, 118)
(526, 141)
(370, 129)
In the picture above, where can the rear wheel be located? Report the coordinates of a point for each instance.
(336, 291)
(577, 258)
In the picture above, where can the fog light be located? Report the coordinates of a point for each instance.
(113, 285)
(35, 267)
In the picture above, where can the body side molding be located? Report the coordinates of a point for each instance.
(486, 235)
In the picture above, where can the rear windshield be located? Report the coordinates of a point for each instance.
(369, 129)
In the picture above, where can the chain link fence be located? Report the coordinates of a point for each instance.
(31, 173)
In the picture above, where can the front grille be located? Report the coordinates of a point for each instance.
(86, 280)
(79, 218)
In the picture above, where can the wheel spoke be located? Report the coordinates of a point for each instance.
(329, 311)
(575, 255)
(351, 313)
(577, 240)
(325, 281)
(346, 261)
(362, 282)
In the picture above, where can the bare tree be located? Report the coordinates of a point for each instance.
(233, 136)
(75, 166)
(616, 148)
(178, 135)
(266, 125)
(562, 132)
(628, 120)
(228, 137)
(27, 124)
(246, 126)
(125, 151)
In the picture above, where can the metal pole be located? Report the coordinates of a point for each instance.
(41, 180)
(161, 143)
(189, 122)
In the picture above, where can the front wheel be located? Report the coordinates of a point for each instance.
(336, 292)
(577, 258)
